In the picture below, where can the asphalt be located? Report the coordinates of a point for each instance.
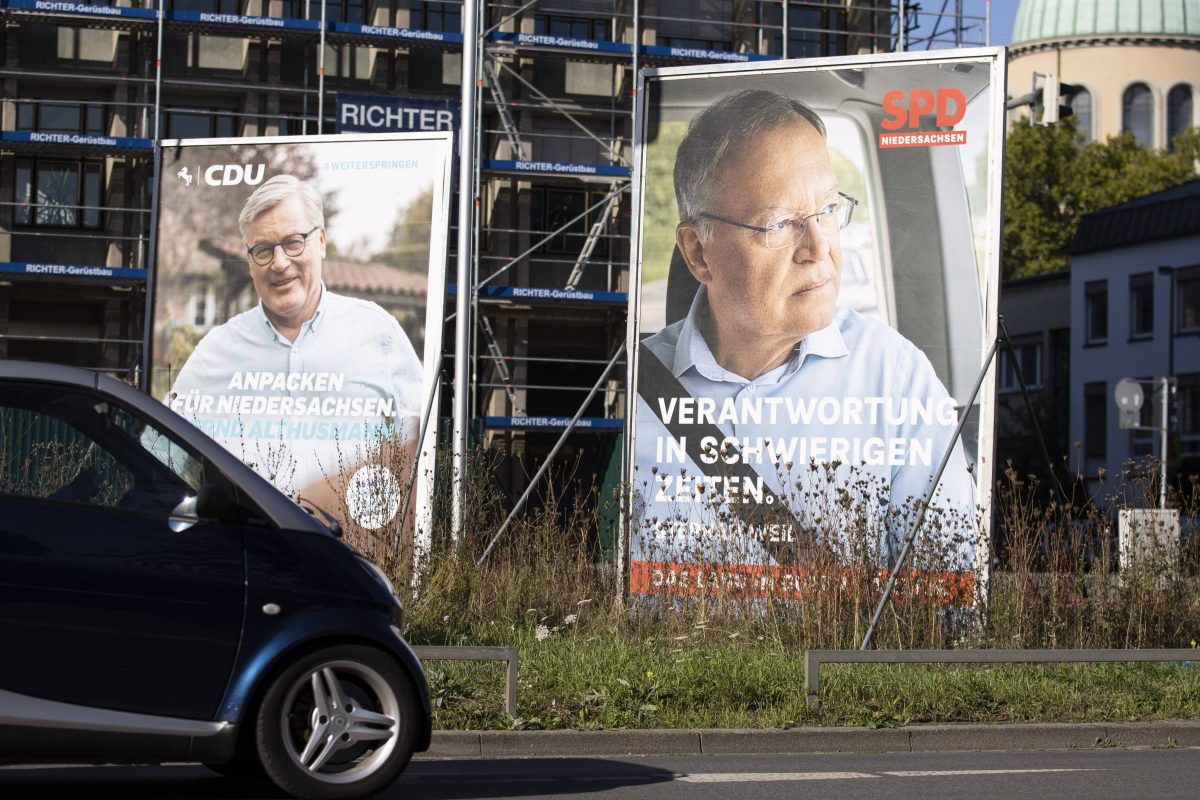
(917, 738)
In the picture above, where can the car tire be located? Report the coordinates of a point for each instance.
(339, 723)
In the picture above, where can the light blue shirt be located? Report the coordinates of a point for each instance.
(298, 412)
(848, 430)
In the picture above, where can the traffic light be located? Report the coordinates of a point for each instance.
(1055, 98)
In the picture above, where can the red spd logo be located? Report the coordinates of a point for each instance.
(904, 111)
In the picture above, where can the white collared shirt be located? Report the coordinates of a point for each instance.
(296, 410)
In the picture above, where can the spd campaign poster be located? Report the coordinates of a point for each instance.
(297, 308)
(815, 284)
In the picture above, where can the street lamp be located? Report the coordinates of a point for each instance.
(1169, 272)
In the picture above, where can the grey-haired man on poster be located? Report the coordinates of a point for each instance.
(806, 394)
(305, 383)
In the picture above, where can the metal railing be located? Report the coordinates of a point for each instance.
(507, 654)
(814, 658)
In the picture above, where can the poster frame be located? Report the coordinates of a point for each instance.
(443, 149)
(997, 56)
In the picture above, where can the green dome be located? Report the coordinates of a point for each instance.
(1050, 19)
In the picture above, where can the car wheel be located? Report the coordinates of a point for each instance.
(340, 723)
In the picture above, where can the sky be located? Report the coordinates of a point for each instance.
(1003, 15)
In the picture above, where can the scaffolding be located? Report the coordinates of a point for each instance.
(552, 134)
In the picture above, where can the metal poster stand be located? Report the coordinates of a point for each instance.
(1004, 339)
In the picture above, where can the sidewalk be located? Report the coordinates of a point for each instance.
(917, 738)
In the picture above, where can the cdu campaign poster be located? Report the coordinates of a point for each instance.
(815, 278)
(297, 307)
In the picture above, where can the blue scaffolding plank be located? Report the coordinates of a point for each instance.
(71, 271)
(584, 425)
(540, 293)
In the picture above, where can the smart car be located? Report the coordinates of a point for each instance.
(161, 601)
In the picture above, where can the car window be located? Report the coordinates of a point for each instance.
(67, 445)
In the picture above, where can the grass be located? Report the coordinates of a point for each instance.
(576, 681)
(592, 657)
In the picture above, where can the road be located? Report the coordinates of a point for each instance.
(1095, 774)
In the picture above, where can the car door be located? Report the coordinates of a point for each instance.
(108, 598)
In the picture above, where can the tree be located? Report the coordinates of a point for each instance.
(1052, 179)
(408, 241)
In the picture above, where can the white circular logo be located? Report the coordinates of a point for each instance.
(373, 496)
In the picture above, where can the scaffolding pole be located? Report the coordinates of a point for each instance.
(462, 305)
(321, 74)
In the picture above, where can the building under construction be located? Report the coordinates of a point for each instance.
(90, 87)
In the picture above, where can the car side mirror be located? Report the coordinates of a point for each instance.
(183, 516)
(213, 502)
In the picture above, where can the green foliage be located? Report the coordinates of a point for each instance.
(408, 241)
(661, 211)
(1052, 179)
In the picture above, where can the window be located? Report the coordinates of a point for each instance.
(1029, 360)
(349, 62)
(1141, 442)
(433, 71)
(1179, 112)
(558, 139)
(1141, 306)
(813, 32)
(200, 311)
(199, 124)
(700, 24)
(194, 53)
(1137, 114)
(572, 27)
(61, 444)
(338, 10)
(206, 6)
(1188, 405)
(553, 207)
(1095, 312)
(1081, 109)
(61, 117)
(1095, 420)
(436, 16)
(1188, 292)
(58, 194)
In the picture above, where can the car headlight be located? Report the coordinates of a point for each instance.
(379, 575)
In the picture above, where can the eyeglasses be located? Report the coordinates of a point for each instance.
(263, 253)
(789, 231)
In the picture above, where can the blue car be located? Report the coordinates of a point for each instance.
(160, 601)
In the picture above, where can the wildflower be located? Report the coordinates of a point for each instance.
(570, 619)
(542, 633)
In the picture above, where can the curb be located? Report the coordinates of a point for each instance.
(922, 738)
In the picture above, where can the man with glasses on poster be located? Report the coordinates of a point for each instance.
(769, 409)
(308, 384)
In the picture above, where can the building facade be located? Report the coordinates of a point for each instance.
(1135, 307)
(1138, 63)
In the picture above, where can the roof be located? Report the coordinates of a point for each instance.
(1168, 214)
(1049, 19)
(372, 277)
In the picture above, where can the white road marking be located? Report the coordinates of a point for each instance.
(927, 773)
(754, 777)
(745, 777)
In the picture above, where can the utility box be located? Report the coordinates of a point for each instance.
(1148, 538)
